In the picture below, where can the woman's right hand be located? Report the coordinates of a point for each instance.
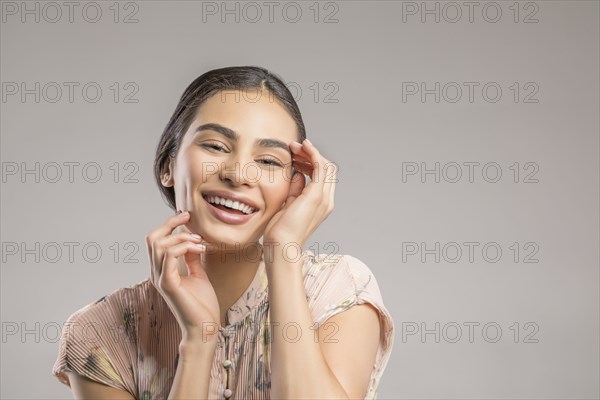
(191, 298)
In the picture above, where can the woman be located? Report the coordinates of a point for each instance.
(223, 314)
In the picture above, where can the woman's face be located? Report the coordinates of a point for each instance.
(238, 144)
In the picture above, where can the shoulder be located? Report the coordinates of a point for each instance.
(342, 268)
(335, 282)
(115, 304)
(98, 339)
(105, 320)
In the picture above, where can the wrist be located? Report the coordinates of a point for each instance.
(197, 349)
(284, 270)
(281, 249)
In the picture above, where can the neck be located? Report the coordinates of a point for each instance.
(230, 273)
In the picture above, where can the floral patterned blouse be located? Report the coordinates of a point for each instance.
(129, 339)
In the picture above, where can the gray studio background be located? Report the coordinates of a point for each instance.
(355, 66)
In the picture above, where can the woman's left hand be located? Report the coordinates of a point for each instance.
(307, 206)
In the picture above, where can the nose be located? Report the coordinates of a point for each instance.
(239, 170)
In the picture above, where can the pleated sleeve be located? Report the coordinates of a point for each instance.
(334, 283)
(99, 342)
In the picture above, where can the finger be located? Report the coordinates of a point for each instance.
(169, 225)
(302, 164)
(169, 278)
(326, 172)
(331, 181)
(299, 152)
(297, 160)
(164, 229)
(177, 238)
(329, 178)
(160, 232)
(195, 264)
(329, 174)
(315, 158)
(316, 187)
(160, 246)
(305, 168)
(301, 158)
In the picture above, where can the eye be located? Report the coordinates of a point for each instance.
(271, 161)
(213, 146)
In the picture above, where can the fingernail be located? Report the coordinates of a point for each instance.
(201, 246)
(196, 236)
(308, 141)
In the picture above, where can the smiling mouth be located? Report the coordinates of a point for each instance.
(230, 206)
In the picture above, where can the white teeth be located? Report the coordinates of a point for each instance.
(246, 209)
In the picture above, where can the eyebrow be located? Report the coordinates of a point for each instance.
(233, 135)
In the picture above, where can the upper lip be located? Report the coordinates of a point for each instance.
(231, 196)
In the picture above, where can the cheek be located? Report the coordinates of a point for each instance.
(276, 193)
(189, 173)
(199, 171)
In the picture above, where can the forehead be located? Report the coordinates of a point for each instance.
(251, 113)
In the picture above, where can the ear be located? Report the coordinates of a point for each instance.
(167, 176)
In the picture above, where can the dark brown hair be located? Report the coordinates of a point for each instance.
(202, 88)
